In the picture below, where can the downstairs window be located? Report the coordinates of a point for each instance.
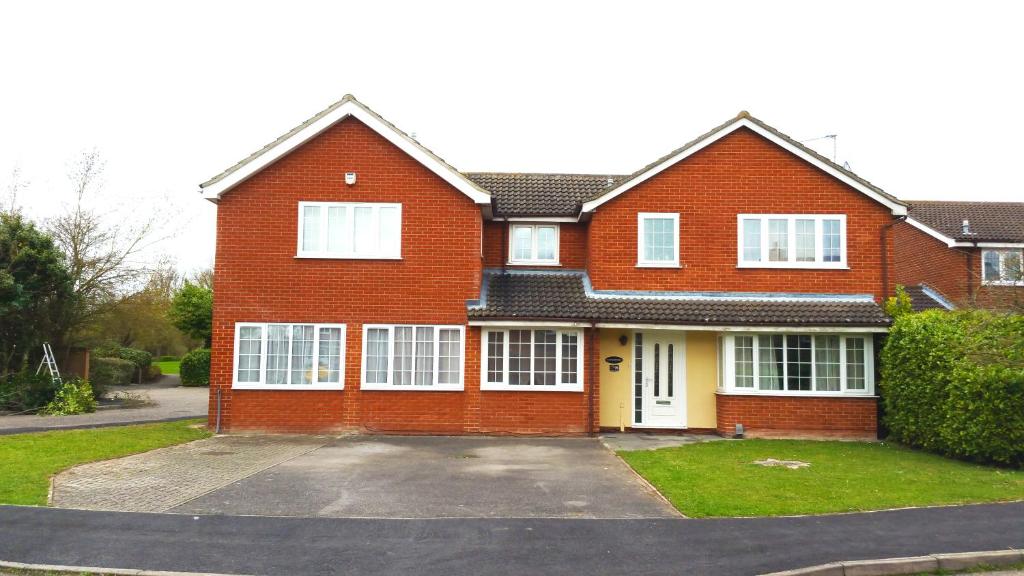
(812, 364)
(412, 357)
(532, 359)
(289, 356)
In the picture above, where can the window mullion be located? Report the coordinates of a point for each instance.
(814, 364)
(842, 364)
(315, 376)
(558, 357)
(534, 234)
(791, 239)
(324, 222)
(437, 356)
(391, 355)
(764, 241)
(263, 353)
(819, 240)
(785, 363)
(504, 356)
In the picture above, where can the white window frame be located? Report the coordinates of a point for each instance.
(727, 348)
(435, 387)
(349, 225)
(533, 259)
(641, 262)
(791, 262)
(262, 385)
(1002, 265)
(504, 386)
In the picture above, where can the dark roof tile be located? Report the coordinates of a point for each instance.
(562, 296)
(523, 194)
(988, 221)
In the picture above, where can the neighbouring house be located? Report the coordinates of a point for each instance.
(362, 283)
(965, 254)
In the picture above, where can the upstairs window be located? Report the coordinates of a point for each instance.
(791, 241)
(658, 240)
(1002, 267)
(350, 230)
(534, 244)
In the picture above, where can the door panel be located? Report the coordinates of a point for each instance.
(660, 382)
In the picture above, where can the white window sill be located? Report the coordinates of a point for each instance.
(658, 265)
(532, 263)
(1002, 283)
(292, 387)
(492, 387)
(348, 257)
(412, 388)
(796, 265)
(795, 394)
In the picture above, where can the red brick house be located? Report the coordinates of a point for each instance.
(362, 283)
(967, 254)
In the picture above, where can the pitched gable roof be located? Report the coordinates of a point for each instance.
(745, 120)
(531, 194)
(348, 106)
(987, 221)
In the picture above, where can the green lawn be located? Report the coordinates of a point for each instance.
(30, 459)
(720, 479)
(169, 367)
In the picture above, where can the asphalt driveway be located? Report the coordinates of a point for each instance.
(369, 477)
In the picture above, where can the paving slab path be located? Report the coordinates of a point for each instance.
(165, 400)
(161, 479)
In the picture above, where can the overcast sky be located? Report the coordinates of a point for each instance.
(924, 97)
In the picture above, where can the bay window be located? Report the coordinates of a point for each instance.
(413, 357)
(533, 244)
(289, 356)
(1002, 267)
(532, 359)
(785, 363)
(355, 230)
(791, 241)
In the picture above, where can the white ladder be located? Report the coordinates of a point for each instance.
(51, 364)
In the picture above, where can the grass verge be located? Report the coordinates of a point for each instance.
(169, 366)
(29, 460)
(721, 479)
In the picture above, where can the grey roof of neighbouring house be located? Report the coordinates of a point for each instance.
(924, 297)
(533, 194)
(566, 296)
(989, 221)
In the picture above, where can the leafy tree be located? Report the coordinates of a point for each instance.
(192, 311)
(34, 285)
(900, 304)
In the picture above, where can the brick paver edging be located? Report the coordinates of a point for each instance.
(913, 565)
(47, 568)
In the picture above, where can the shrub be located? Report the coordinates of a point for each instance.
(153, 372)
(75, 396)
(105, 372)
(953, 383)
(25, 391)
(195, 368)
(899, 304)
(140, 358)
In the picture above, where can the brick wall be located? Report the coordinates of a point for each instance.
(258, 278)
(921, 258)
(741, 173)
(783, 414)
(572, 246)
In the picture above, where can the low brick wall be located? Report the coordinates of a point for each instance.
(786, 415)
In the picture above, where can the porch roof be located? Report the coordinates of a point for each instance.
(568, 296)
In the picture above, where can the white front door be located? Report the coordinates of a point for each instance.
(659, 383)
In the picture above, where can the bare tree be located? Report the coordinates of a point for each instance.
(9, 203)
(102, 255)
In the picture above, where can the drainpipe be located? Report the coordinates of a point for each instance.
(884, 237)
(217, 428)
(594, 377)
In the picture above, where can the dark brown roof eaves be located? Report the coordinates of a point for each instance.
(924, 297)
(988, 221)
(563, 297)
(535, 194)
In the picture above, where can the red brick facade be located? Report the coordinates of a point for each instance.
(741, 173)
(446, 244)
(763, 415)
(955, 272)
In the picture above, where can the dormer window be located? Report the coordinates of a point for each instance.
(535, 244)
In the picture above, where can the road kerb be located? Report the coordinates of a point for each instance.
(101, 571)
(911, 565)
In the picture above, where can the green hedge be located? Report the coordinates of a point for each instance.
(105, 372)
(26, 391)
(953, 383)
(195, 368)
